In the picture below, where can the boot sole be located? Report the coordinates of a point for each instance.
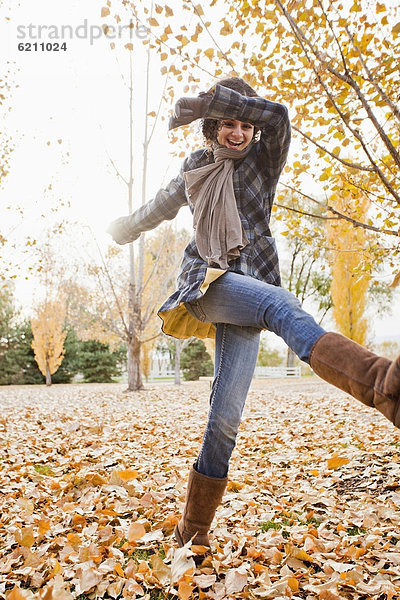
(198, 558)
(178, 537)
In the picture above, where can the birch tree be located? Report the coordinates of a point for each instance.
(336, 64)
(137, 318)
(350, 282)
(305, 268)
(48, 337)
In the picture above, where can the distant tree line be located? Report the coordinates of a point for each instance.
(93, 360)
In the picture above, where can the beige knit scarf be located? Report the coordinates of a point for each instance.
(219, 231)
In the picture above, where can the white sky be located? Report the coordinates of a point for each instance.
(78, 96)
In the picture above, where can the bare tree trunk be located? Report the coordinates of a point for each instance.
(48, 374)
(178, 351)
(290, 358)
(134, 373)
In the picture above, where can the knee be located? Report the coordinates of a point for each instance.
(225, 429)
(284, 305)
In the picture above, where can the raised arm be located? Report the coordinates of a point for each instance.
(220, 102)
(164, 207)
(271, 118)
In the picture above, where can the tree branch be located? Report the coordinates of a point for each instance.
(371, 79)
(184, 57)
(113, 163)
(302, 39)
(344, 162)
(119, 308)
(213, 39)
(151, 338)
(339, 214)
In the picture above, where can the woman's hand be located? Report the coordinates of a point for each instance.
(189, 109)
(122, 231)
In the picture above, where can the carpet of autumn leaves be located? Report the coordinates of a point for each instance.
(93, 481)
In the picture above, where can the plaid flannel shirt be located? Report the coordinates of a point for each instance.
(254, 180)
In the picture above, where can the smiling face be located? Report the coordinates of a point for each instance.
(235, 134)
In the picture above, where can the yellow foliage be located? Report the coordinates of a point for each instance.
(49, 336)
(147, 349)
(350, 282)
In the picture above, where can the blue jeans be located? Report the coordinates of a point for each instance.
(241, 307)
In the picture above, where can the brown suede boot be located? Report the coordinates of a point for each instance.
(370, 378)
(203, 496)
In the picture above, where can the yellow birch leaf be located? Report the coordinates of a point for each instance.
(56, 570)
(396, 28)
(337, 461)
(96, 479)
(328, 595)
(74, 539)
(199, 549)
(209, 53)
(16, 594)
(226, 29)
(43, 525)
(119, 570)
(143, 567)
(25, 537)
(160, 569)
(199, 10)
(234, 486)
(153, 22)
(128, 474)
(184, 590)
(396, 281)
(294, 552)
(105, 11)
(135, 532)
(277, 557)
(182, 39)
(129, 46)
(293, 584)
(169, 12)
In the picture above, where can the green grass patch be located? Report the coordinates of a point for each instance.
(285, 523)
(356, 531)
(44, 470)
(142, 554)
(160, 595)
(267, 525)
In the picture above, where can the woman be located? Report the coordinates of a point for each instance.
(229, 283)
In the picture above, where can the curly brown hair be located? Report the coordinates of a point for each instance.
(210, 127)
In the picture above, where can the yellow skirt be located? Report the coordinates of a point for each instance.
(179, 323)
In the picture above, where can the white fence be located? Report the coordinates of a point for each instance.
(270, 372)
